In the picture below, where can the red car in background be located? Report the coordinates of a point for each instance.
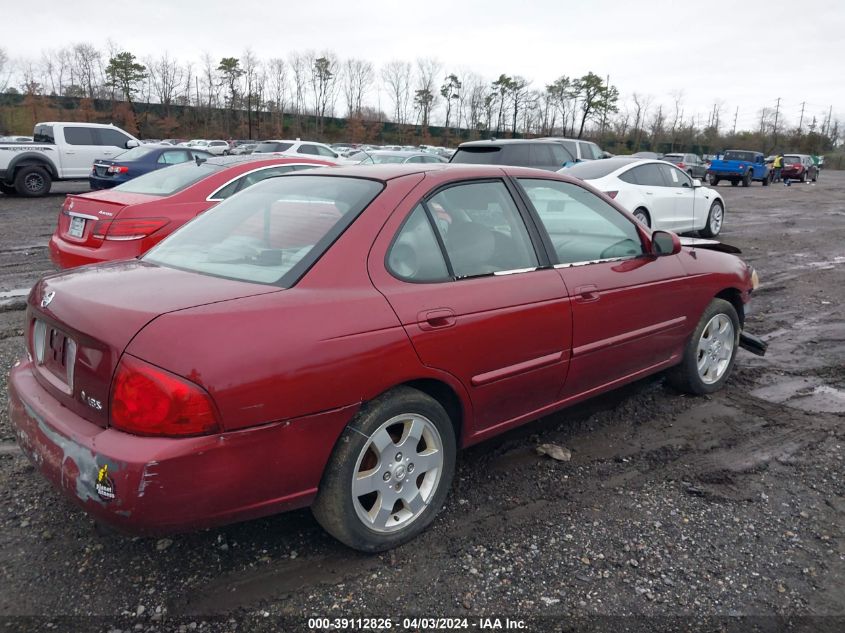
(127, 220)
(331, 338)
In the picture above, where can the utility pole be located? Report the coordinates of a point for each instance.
(826, 129)
(777, 111)
(736, 115)
(801, 120)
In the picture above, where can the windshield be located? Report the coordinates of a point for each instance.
(735, 155)
(135, 153)
(164, 182)
(270, 233)
(593, 169)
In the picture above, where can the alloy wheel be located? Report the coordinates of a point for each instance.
(397, 472)
(715, 348)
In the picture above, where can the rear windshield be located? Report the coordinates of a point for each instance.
(674, 157)
(270, 233)
(44, 134)
(272, 147)
(135, 153)
(167, 181)
(735, 155)
(380, 159)
(792, 160)
(478, 155)
(592, 169)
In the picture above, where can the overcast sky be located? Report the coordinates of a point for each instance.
(745, 54)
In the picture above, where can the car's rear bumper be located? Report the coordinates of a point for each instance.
(65, 254)
(162, 485)
(96, 182)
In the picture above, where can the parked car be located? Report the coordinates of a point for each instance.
(218, 148)
(648, 155)
(739, 166)
(579, 148)
(379, 157)
(799, 167)
(60, 151)
(299, 148)
(690, 163)
(313, 341)
(129, 219)
(657, 193)
(138, 161)
(243, 150)
(539, 153)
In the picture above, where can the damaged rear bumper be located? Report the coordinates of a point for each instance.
(150, 485)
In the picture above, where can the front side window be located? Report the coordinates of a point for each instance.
(582, 227)
(112, 138)
(415, 254)
(322, 151)
(270, 233)
(674, 176)
(481, 229)
(649, 175)
(269, 146)
(79, 136)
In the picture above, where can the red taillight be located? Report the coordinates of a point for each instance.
(129, 229)
(118, 169)
(681, 165)
(611, 194)
(146, 400)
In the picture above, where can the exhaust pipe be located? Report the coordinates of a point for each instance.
(753, 344)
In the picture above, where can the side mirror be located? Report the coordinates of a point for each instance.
(665, 243)
(696, 183)
(131, 143)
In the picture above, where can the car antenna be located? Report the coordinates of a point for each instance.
(200, 160)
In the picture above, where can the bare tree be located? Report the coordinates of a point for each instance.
(165, 75)
(396, 76)
(357, 79)
(88, 62)
(278, 85)
(299, 67)
(5, 70)
(252, 88)
(641, 106)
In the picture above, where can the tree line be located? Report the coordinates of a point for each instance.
(305, 93)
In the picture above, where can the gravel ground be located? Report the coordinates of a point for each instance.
(724, 513)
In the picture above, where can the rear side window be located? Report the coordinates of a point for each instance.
(79, 136)
(481, 229)
(44, 134)
(571, 147)
(582, 227)
(308, 149)
(415, 254)
(174, 158)
(518, 154)
(322, 151)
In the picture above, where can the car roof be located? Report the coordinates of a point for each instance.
(389, 171)
(505, 141)
(402, 153)
(230, 161)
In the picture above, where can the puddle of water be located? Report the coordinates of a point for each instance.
(805, 394)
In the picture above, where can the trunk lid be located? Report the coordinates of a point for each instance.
(80, 214)
(78, 323)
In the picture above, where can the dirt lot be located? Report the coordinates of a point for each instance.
(692, 511)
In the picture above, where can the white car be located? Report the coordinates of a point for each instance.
(299, 149)
(657, 193)
(218, 148)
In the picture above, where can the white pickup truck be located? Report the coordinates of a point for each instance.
(59, 151)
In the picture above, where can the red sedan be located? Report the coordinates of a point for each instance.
(331, 338)
(128, 220)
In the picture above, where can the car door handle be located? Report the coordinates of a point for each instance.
(587, 294)
(69, 152)
(436, 319)
(649, 193)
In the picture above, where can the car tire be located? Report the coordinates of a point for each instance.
(746, 179)
(33, 181)
(643, 216)
(713, 180)
(710, 352)
(816, 177)
(803, 178)
(9, 190)
(715, 220)
(766, 180)
(377, 442)
(734, 183)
